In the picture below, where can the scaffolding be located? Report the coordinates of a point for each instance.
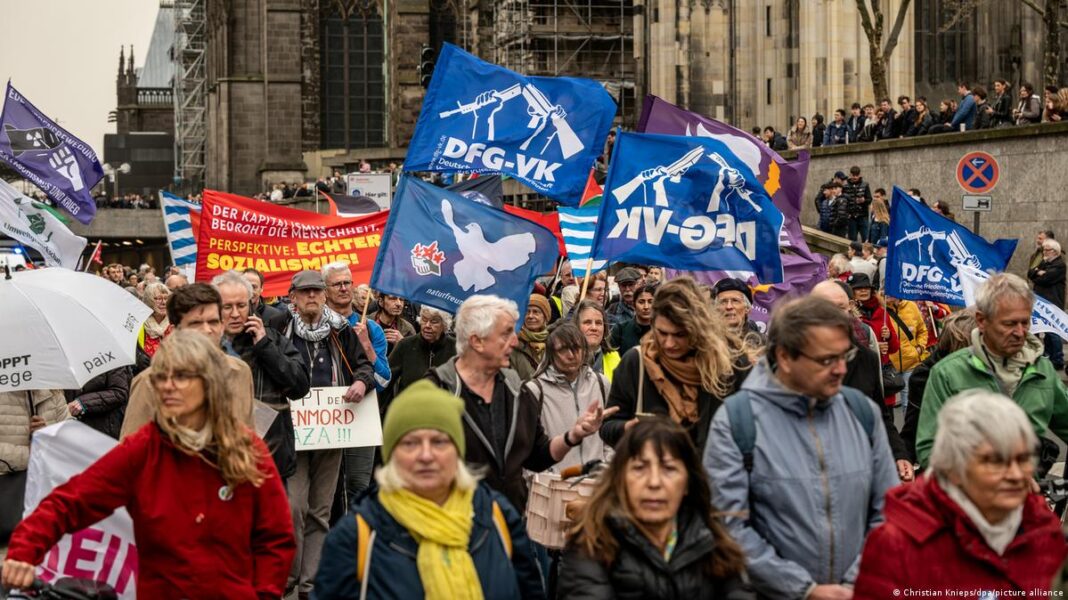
(593, 39)
(190, 90)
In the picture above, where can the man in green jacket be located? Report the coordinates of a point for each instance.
(1004, 357)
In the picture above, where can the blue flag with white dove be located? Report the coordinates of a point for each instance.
(439, 248)
(62, 166)
(926, 249)
(687, 203)
(544, 131)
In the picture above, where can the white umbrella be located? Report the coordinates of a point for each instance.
(61, 328)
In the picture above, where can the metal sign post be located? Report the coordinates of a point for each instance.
(976, 205)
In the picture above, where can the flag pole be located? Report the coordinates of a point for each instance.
(89, 263)
(366, 305)
(585, 281)
(163, 212)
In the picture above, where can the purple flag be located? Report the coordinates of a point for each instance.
(63, 166)
(784, 181)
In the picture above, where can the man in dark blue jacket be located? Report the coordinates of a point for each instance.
(837, 131)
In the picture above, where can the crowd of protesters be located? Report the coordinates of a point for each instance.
(732, 459)
(975, 107)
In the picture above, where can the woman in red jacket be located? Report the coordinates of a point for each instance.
(971, 524)
(210, 515)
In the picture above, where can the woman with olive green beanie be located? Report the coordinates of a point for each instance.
(429, 528)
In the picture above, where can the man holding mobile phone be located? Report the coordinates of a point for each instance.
(279, 373)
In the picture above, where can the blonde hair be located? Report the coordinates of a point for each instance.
(716, 347)
(880, 210)
(231, 443)
(390, 479)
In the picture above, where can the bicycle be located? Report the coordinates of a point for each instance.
(1055, 491)
(67, 588)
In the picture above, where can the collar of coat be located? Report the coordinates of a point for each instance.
(923, 510)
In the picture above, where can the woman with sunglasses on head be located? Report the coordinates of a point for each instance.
(210, 514)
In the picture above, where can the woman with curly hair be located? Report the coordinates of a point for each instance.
(210, 514)
(649, 530)
(683, 368)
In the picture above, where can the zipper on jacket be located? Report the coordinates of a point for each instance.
(578, 411)
(826, 490)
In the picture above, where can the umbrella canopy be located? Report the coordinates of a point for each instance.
(63, 327)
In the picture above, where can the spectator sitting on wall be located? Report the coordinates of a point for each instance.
(837, 132)
(886, 128)
(923, 120)
(855, 123)
(818, 129)
(774, 139)
(904, 120)
(1029, 109)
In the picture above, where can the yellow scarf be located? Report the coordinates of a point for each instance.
(443, 532)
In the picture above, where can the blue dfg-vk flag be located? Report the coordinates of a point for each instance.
(64, 167)
(544, 131)
(439, 248)
(687, 203)
(926, 249)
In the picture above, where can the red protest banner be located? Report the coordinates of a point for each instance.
(238, 233)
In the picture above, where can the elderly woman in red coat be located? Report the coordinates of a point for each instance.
(210, 515)
(971, 524)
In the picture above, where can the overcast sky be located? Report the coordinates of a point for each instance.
(63, 55)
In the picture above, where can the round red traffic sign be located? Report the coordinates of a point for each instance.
(978, 172)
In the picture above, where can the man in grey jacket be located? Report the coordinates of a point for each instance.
(804, 498)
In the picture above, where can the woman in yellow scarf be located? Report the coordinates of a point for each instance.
(429, 529)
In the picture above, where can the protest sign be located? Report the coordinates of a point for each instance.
(376, 186)
(104, 551)
(323, 420)
(238, 233)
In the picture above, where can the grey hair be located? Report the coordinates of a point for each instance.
(839, 263)
(478, 316)
(152, 291)
(232, 278)
(1001, 286)
(390, 479)
(445, 317)
(1051, 244)
(330, 269)
(971, 418)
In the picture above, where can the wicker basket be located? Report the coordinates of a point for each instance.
(547, 521)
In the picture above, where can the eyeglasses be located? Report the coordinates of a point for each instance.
(340, 285)
(180, 379)
(830, 361)
(998, 465)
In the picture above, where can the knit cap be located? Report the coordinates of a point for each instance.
(423, 405)
(541, 303)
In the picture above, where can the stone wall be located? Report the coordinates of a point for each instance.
(1026, 198)
(407, 32)
(255, 72)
